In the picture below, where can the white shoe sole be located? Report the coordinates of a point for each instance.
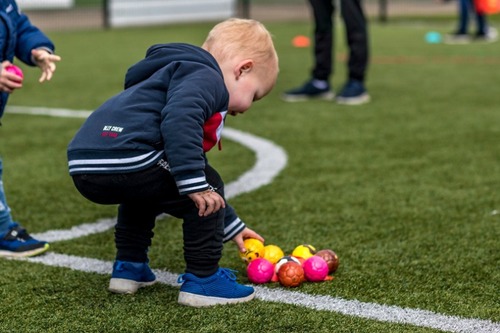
(327, 96)
(365, 98)
(199, 301)
(125, 286)
(31, 253)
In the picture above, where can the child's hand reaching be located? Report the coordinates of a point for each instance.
(208, 202)
(246, 233)
(46, 61)
(9, 81)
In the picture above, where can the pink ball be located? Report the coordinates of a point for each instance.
(260, 271)
(15, 70)
(315, 269)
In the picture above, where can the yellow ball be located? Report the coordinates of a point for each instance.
(304, 251)
(273, 253)
(254, 249)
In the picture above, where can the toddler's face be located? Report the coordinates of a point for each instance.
(248, 88)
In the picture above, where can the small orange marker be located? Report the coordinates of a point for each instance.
(301, 41)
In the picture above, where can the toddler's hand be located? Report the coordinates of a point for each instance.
(46, 61)
(246, 233)
(9, 81)
(208, 202)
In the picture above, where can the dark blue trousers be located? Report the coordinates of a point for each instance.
(356, 36)
(141, 197)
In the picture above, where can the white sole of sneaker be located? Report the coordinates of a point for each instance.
(354, 101)
(25, 254)
(328, 96)
(125, 286)
(199, 301)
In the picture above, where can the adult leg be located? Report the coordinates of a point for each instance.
(318, 87)
(357, 38)
(482, 28)
(354, 91)
(323, 11)
(464, 8)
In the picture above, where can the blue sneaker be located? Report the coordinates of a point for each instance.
(353, 93)
(219, 288)
(128, 277)
(313, 89)
(16, 242)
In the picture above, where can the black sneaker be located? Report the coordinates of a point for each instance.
(308, 91)
(353, 93)
(16, 242)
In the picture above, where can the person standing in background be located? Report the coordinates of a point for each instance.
(467, 9)
(318, 87)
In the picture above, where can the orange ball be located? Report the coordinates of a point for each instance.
(291, 274)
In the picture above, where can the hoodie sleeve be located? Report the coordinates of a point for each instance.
(233, 225)
(196, 92)
(29, 38)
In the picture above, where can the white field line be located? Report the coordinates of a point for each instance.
(271, 159)
(378, 312)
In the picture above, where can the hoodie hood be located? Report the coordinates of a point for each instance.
(160, 55)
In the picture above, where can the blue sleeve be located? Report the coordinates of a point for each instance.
(195, 93)
(29, 37)
(233, 225)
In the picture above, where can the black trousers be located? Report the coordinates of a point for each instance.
(356, 36)
(141, 197)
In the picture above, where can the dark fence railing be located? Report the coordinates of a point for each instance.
(95, 14)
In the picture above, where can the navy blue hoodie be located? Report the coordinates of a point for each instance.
(161, 114)
(172, 108)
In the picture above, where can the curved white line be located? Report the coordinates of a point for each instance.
(271, 159)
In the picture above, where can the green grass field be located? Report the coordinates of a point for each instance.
(405, 189)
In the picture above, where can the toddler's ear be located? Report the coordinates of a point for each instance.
(243, 67)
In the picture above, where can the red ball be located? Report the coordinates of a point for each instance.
(315, 269)
(260, 271)
(291, 274)
(15, 70)
(331, 259)
(283, 260)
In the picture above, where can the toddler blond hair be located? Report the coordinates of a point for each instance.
(241, 37)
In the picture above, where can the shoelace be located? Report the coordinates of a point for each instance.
(228, 273)
(225, 272)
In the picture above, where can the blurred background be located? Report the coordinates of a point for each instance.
(54, 15)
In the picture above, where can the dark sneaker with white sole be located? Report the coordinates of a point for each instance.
(353, 93)
(307, 91)
(16, 243)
